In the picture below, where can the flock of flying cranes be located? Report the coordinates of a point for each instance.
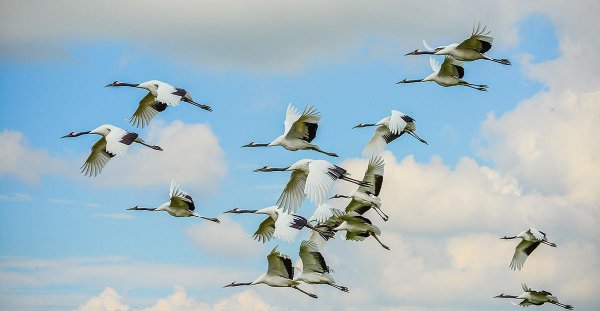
(314, 178)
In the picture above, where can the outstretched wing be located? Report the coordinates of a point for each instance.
(118, 141)
(180, 198)
(286, 228)
(522, 251)
(265, 230)
(302, 126)
(147, 109)
(167, 94)
(321, 177)
(280, 265)
(374, 176)
(323, 212)
(293, 194)
(479, 40)
(381, 137)
(97, 159)
(312, 260)
(452, 67)
(435, 65)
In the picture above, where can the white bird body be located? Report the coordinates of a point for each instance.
(471, 49)
(536, 297)
(314, 267)
(388, 129)
(358, 229)
(299, 131)
(280, 273)
(279, 224)
(530, 240)
(115, 141)
(312, 178)
(160, 96)
(180, 204)
(449, 73)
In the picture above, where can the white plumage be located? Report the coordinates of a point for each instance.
(449, 73)
(278, 224)
(530, 240)
(535, 297)
(299, 131)
(115, 141)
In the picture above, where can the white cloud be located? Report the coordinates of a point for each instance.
(108, 300)
(22, 161)
(233, 240)
(191, 155)
(262, 35)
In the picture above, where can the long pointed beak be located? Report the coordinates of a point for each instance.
(65, 136)
(229, 211)
(411, 53)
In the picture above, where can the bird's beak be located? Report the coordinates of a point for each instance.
(133, 208)
(359, 125)
(229, 211)
(248, 145)
(334, 197)
(66, 136)
(229, 285)
(412, 53)
(262, 169)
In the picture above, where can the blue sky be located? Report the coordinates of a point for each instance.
(58, 216)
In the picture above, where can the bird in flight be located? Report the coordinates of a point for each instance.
(472, 48)
(299, 131)
(115, 141)
(180, 204)
(160, 96)
(535, 297)
(530, 240)
(449, 73)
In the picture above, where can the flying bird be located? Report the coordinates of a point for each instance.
(279, 224)
(279, 274)
(530, 241)
(323, 212)
(160, 96)
(535, 297)
(309, 177)
(366, 197)
(299, 131)
(357, 227)
(180, 204)
(388, 129)
(450, 73)
(314, 268)
(115, 141)
(473, 48)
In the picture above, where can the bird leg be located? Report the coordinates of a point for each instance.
(309, 294)
(549, 243)
(356, 182)
(417, 137)
(317, 149)
(568, 307)
(380, 212)
(376, 238)
(141, 142)
(479, 87)
(342, 288)
(189, 101)
(211, 219)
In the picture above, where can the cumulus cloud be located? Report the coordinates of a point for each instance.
(108, 300)
(233, 240)
(19, 159)
(191, 155)
(262, 35)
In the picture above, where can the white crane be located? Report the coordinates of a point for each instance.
(450, 73)
(357, 227)
(366, 197)
(472, 48)
(115, 141)
(299, 131)
(531, 238)
(388, 129)
(309, 177)
(323, 212)
(279, 274)
(314, 268)
(160, 96)
(180, 204)
(535, 297)
(279, 224)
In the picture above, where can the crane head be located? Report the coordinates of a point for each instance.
(75, 134)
